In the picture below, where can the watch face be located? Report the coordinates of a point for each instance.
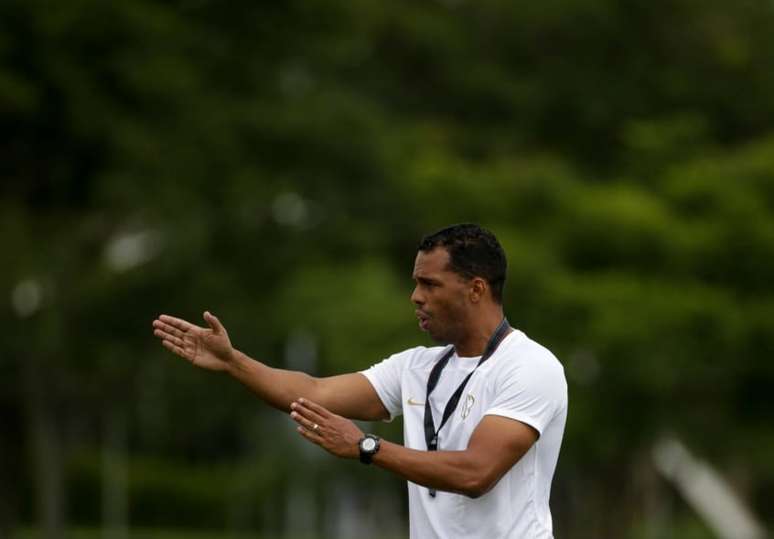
(369, 444)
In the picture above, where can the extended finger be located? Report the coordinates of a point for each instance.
(310, 435)
(213, 322)
(304, 422)
(158, 324)
(179, 323)
(168, 337)
(300, 407)
(316, 408)
(174, 348)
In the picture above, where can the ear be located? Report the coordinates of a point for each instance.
(478, 289)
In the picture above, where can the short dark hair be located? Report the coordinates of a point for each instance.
(473, 252)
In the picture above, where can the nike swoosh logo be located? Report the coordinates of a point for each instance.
(412, 402)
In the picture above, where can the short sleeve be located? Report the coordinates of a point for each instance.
(532, 391)
(386, 377)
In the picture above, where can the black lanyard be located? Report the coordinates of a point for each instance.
(431, 433)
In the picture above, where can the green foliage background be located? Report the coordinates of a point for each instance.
(287, 157)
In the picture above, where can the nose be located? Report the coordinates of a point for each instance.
(416, 297)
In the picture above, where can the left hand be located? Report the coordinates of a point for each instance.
(337, 435)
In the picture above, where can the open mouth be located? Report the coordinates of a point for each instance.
(423, 320)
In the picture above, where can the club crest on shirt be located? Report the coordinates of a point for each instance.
(470, 400)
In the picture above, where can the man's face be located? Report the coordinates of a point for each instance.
(440, 295)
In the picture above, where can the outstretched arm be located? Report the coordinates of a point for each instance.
(349, 395)
(495, 446)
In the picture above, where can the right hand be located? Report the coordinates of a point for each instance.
(209, 348)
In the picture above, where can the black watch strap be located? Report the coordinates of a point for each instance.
(368, 446)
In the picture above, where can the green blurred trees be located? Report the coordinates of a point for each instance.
(285, 159)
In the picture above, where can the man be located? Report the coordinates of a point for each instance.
(483, 416)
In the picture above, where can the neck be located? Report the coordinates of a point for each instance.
(481, 330)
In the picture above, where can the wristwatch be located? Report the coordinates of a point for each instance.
(368, 445)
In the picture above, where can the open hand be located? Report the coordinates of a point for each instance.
(337, 435)
(209, 348)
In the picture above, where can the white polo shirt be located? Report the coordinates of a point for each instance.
(523, 381)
